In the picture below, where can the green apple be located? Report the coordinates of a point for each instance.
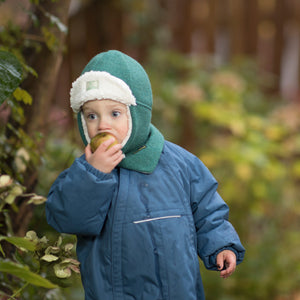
(99, 138)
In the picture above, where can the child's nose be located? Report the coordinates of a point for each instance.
(104, 123)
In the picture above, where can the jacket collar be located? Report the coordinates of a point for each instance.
(146, 158)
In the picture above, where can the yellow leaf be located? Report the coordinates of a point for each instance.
(22, 95)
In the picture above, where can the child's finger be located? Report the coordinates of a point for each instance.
(220, 261)
(88, 151)
(105, 146)
(114, 149)
(119, 157)
(230, 268)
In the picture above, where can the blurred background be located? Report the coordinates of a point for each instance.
(225, 80)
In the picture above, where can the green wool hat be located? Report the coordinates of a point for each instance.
(116, 76)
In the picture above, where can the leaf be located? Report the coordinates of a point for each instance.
(15, 192)
(22, 95)
(62, 27)
(1, 251)
(49, 257)
(50, 38)
(62, 271)
(52, 249)
(36, 199)
(74, 269)
(59, 241)
(69, 247)
(24, 273)
(32, 236)
(10, 74)
(5, 180)
(20, 242)
(21, 160)
(71, 261)
(43, 240)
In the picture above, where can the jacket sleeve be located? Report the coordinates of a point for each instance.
(79, 199)
(214, 232)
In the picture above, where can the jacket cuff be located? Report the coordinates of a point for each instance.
(89, 168)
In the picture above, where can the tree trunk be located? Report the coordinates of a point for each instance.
(180, 24)
(237, 33)
(46, 63)
(211, 26)
(180, 21)
(251, 30)
(279, 20)
(103, 21)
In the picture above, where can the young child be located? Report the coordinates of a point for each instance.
(143, 209)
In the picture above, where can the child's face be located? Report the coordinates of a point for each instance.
(106, 116)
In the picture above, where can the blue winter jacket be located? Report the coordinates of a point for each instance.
(139, 234)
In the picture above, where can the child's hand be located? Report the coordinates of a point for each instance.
(226, 263)
(104, 159)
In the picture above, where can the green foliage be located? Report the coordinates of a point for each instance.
(24, 273)
(18, 151)
(11, 74)
(34, 258)
(59, 154)
(30, 267)
(250, 142)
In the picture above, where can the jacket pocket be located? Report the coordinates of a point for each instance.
(156, 219)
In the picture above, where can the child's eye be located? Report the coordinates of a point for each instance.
(115, 113)
(91, 116)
